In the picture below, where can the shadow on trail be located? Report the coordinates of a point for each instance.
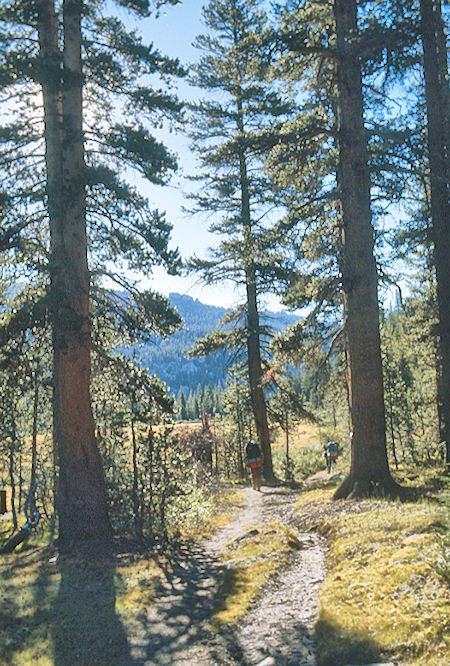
(286, 640)
(298, 649)
(179, 622)
(177, 631)
(278, 492)
(86, 628)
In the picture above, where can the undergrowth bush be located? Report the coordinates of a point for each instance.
(308, 461)
(161, 497)
(190, 511)
(302, 462)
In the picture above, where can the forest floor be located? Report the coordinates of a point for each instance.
(277, 629)
(293, 578)
(298, 579)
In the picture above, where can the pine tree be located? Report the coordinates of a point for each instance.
(208, 400)
(229, 129)
(287, 407)
(237, 409)
(369, 465)
(181, 405)
(412, 373)
(335, 50)
(75, 56)
(199, 397)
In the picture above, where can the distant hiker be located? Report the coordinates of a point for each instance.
(253, 460)
(331, 453)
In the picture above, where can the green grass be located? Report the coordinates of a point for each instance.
(71, 610)
(383, 597)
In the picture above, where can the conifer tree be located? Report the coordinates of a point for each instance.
(181, 405)
(369, 465)
(88, 69)
(334, 50)
(228, 134)
(208, 400)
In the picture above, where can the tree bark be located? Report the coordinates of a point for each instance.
(81, 498)
(137, 514)
(255, 377)
(254, 363)
(288, 463)
(369, 471)
(34, 432)
(437, 98)
(12, 448)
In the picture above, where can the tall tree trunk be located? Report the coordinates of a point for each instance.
(369, 472)
(257, 398)
(50, 67)
(390, 393)
(81, 498)
(255, 376)
(137, 514)
(35, 424)
(12, 481)
(287, 476)
(150, 506)
(437, 96)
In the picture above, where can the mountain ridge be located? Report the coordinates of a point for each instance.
(166, 358)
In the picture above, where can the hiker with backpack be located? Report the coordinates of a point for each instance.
(253, 461)
(331, 453)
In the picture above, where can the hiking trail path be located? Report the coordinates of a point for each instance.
(277, 629)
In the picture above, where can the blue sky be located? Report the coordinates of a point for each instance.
(173, 33)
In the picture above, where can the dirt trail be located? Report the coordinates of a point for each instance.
(276, 630)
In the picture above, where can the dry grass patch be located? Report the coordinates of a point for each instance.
(251, 562)
(322, 495)
(77, 611)
(382, 599)
(301, 436)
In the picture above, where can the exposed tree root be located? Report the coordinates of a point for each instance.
(272, 481)
(382, 487)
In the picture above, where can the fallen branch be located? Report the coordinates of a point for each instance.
(31, 522)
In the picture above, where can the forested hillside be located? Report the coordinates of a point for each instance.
(166, 357)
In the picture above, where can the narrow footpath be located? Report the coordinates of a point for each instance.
(278, 628)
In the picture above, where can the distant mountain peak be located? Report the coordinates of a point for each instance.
(165, 357)
(184, 300)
